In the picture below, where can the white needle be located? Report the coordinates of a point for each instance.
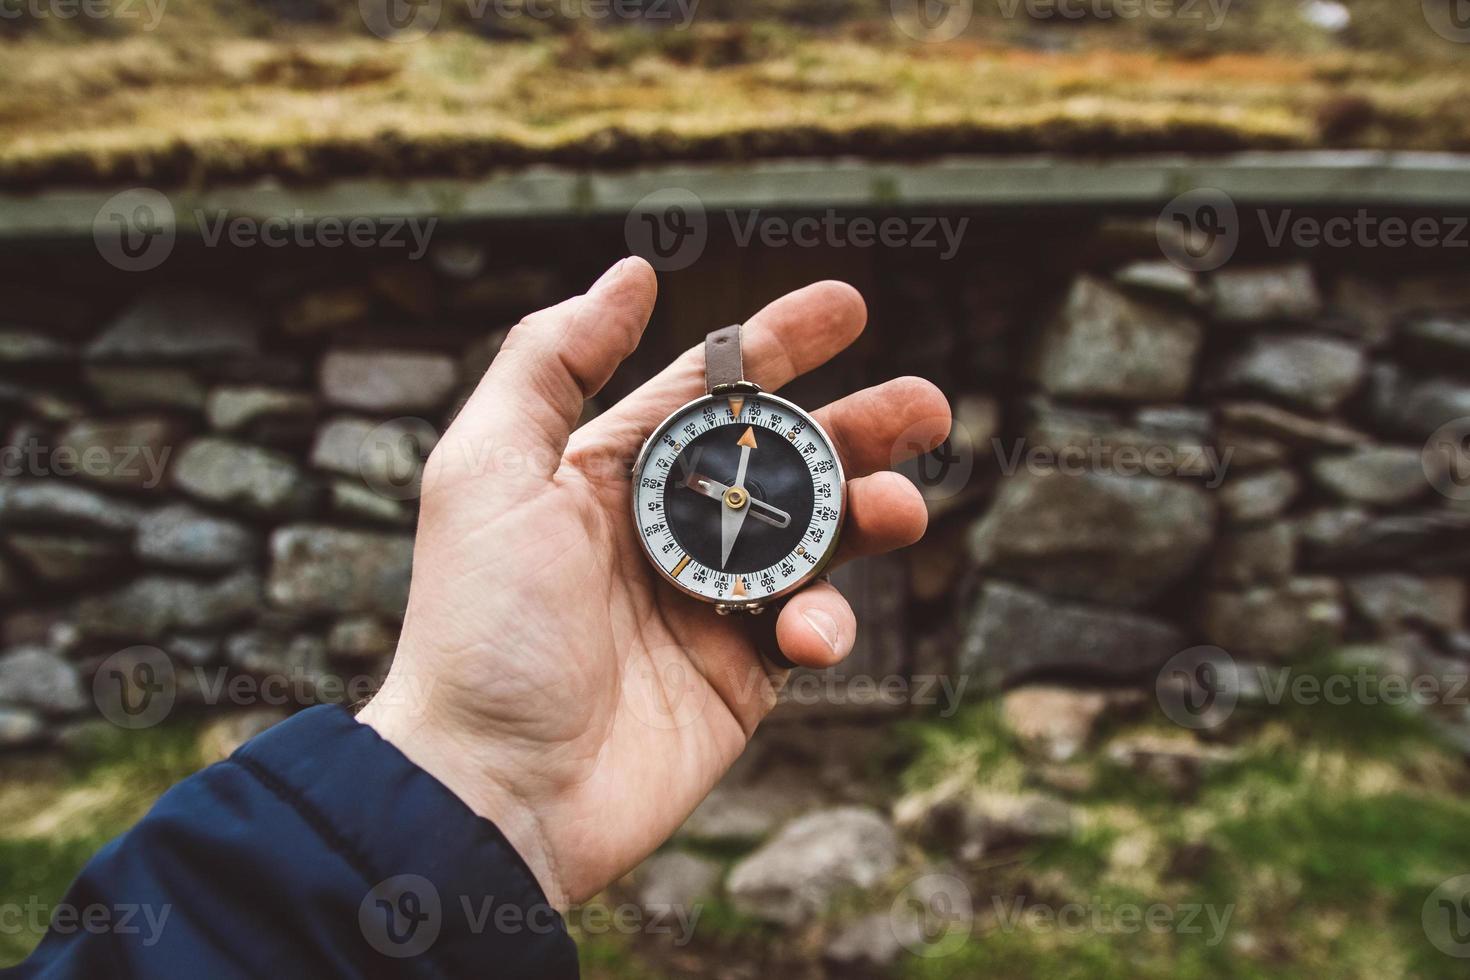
(759, 509)
(732, 519)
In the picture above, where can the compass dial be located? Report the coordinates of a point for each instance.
(739, 499)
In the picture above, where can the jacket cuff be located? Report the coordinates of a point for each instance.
(440, 883)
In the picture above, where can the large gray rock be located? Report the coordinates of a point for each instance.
(1255, 295)
(1382, 475)
(152, 606)
(1105, 344)
(63, 559)
(799, 872)
(676, 880)
(125, 387)
(1316, 372)
(234, 408)
(132, 453)
(1257, 497)
(1013, 634)
(234, 474)
(180, 324)
(1159, 441)
(388, 381)
(1414, 407)
(1095, 535)
(1254, 555)
(1392, 601)
(61, 503)
(388, 455)
(182, 536)
(1430, 540)
(315, 568)
(33, 677)
(19, 727)
(1281, 621)
(1289, 427)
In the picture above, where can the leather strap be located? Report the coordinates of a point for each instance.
(723, 365)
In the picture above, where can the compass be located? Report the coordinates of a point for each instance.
(738, 496)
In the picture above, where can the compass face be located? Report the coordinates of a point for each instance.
(738, 499)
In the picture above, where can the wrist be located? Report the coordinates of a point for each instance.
(459, 764)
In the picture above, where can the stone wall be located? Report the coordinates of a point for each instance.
(216, 460)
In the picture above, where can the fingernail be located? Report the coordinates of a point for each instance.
(825, 626)
(609, 275)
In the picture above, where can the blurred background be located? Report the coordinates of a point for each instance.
(1175, 686)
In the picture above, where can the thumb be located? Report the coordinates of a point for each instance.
(553, 361)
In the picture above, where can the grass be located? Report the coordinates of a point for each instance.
(214, 96)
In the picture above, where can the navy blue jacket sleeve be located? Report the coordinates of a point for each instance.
(317, 850)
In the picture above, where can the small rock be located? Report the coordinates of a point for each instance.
(1258, 496)
(1430, 541)
(1094, 535)
(1276, 622)
(388, 381)
(179, 324)
(1368, 306)
(1440, 337)
(1242, 450)
(125, 388)
(1415, 408)
(1289, 427)
(28, 347)
(1161, 277)
(799, 872)
(387, 454)
(233, 408)
(362, 638)
(1382, 475)
(222, 736)
(19, 728)
(60, 503)
(676, 880)
(1255, 555)
(873, 942)
(194, 650)
(315, 568)
(325, 309)
(1316, 372)
(1013, 634)
(1176, 760)
(234, 474)
(735, 812)
(1105, 344)
(132, 453)
(1163, 441)
(353, 499)
(1328, 528)
(183, 536)
(65, 560)
(1392, 601)
(1054, 722)
(973, 823)
(33, 677)
(152, 606)
(1246, 295)
(302, 657)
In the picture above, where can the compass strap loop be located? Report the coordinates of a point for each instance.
(723, 365)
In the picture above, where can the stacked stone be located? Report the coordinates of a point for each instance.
(1291, 506)
(230, 481)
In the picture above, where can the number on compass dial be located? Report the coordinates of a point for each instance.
(739, 498)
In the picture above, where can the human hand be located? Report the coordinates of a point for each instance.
(544, 673)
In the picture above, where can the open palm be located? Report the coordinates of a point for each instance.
(545, 673)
